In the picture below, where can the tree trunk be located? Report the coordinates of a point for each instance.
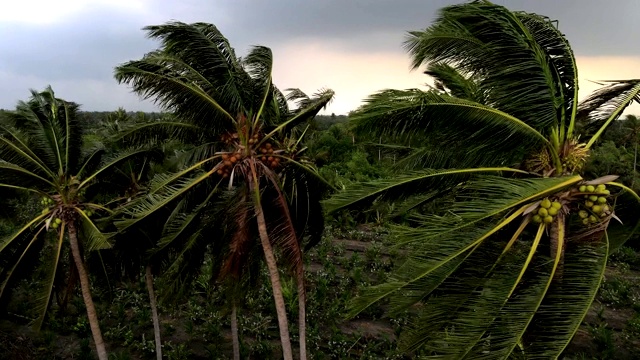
(86, 293)
(154, 312)
(635, 158)
(302, 314)
(234, 332)
(275, 282)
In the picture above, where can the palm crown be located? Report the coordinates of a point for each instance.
(496, 264)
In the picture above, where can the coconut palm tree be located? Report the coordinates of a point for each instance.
(514, 251)
(41, 153)
(244, 138)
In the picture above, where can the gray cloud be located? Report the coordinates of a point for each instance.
(79, 53)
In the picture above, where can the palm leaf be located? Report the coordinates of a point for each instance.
(568, 300)
(482, 38)
(92, 237)
(43, 299)
(607, 104)
(415, 112)
(403, 186)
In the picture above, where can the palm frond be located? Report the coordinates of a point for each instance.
(605, 105)
(449, 79)
(18, 175)
(156, 132)
(562, 64)
(15, 149)
(22, 231)
(259, 65)
(482, 39)
(92, 237)
(471, 220)
(305, 111)
(403, 186)
(150, 203)
(8, 273)
(457, 121)
(568, 300)
(114, 160)
(42, 300)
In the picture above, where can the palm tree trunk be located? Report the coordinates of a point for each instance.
(234, 332)
(287, 354)
(302, 313)
(635, 158)
(86, 293)
(154, 312)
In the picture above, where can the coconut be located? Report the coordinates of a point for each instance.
(583, 214)
(585, 221)
(582, 188)
(602, 200)
(225, 156)
(601, 187)
(57, 220)
(597, 209)
(548, 219)
(605, 192)
(552, 211)
(588, 203)
(593, 219)
(545, 203)
(537, 219)
(267, 145)
(233, 159)
(543, 212)
(556, 205)
(591, 188)
(593, 198)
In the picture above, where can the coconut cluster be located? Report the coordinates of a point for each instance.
(595, 205)
(547, 211)
(229, 160)
(56, 223)
(46, 202)
(267, 153)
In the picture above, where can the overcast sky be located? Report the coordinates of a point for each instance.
(351, 46)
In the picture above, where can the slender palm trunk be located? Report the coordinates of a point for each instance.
(234, 332)
(154, 312)
(302, 313)
(287, 354)
(86, 293)
(635, 158)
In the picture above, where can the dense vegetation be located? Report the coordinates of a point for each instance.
(489, 216)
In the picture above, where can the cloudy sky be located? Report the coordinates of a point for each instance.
(351, 46)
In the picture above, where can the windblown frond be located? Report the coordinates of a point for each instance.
(404, 185)
(483, 39)
(415, 112)
(605, 105)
